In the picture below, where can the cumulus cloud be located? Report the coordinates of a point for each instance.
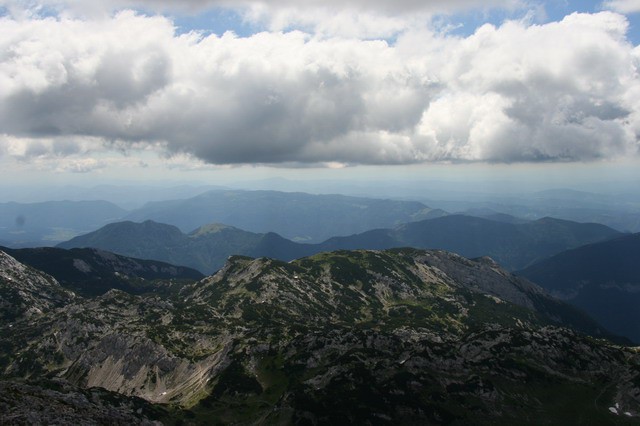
(565, 91)
(622, 6)
(360, 18)
(352, 18)
(560, 91)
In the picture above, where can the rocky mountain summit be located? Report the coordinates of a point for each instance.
(401, 336)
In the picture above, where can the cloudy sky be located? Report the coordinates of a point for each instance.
(185, 88)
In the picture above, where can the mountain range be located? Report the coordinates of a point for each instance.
(298, 216)
(601, 278)
(401, 336)
(513, 245)
(617, 209)
(350, 312)
(205, 249)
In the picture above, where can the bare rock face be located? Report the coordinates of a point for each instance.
(141, 367)
(366, 337)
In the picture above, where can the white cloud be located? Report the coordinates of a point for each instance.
(565, 91)
(554, 92)
(26, 149)
(82, 165)
(352, 18)
(379, 6)
(622, 6)
(361, 18)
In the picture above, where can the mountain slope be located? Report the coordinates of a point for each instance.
(602, 278)
(393, 337)
(91, 272)
(147, 240)
(296, 216)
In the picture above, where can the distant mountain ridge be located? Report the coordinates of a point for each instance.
(206, 249)
(91, 272)
(298, 216)
(602, 278)
(294, 215)
(616, 210)
(512, 245)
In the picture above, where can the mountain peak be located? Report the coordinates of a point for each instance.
(362, 285)
(212, 228)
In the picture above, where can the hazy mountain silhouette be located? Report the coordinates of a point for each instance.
(512, 245)
(206, 249)
(294, 215)
(601, 278)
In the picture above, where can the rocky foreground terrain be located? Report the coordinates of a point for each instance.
(367, 337)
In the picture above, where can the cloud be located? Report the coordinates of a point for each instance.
(353, 18)
(361, 18)
(194, 6)
(25, 149)
(559, 91)
(82, 165)
(564, 91)
(379, 5)
(622, 6)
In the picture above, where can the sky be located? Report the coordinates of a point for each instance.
(208, 90)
